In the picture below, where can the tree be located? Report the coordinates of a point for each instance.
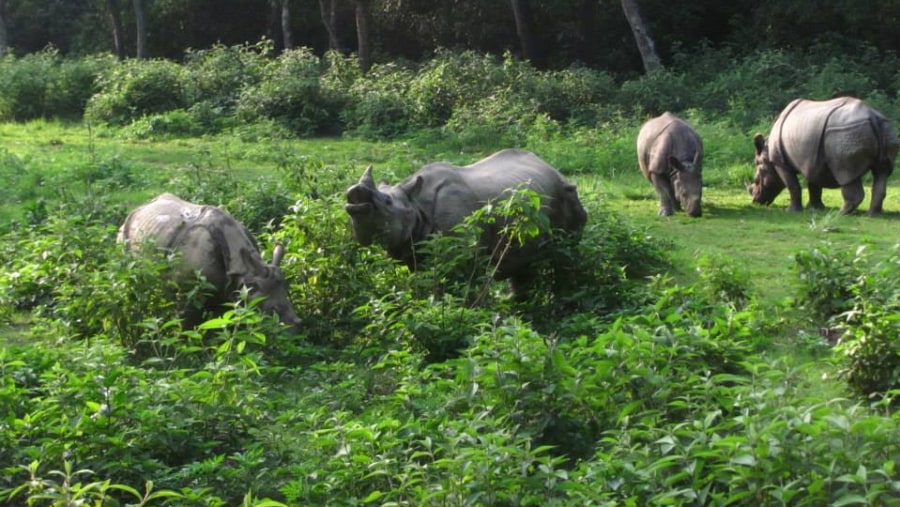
(118, 31)
(140, 21)
(328, 10)
(642, 36)
(286, 32)
(4, 36)
(525, 29)
(362, 34)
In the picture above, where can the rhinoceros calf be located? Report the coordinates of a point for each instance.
(670, 155)
(440, 196)
(211, 241)
(832, 143)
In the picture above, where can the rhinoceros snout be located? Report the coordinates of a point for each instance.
(358, 208)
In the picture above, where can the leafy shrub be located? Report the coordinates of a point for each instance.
(869, 347)
(217, 75)
(24, 84)
(175, 123)
(290, 92)
(73, 83)
(828, 278)
(724, 280)
(665, 90)
(379, 105)
(136, 88)
(452, 80)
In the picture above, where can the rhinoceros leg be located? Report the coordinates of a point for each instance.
(879, 190)
(815, 197)
(793, 185)
(853, 195)
(666, 192)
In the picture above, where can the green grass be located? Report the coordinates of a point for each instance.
(362, 417)
(762, 239)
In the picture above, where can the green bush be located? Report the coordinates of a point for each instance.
(216, 76)
(136, 88)
(290, 92)
(379, 106)
(828, 277)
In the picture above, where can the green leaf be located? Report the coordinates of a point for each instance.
(850, 500)
(375, 495)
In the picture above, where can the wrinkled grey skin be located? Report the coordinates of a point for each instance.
(440, 196)
(832, 143)
(211, 241)
(670, 155)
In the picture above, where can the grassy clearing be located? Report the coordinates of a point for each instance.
(44, 159)
(543, 406)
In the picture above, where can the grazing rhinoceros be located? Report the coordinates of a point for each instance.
(670, 155)
(832, 143)
(440, 196)
(211, 241)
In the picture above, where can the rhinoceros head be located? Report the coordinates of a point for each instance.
(766, 183)
(688, 184)
(267, 280)
(384, 213)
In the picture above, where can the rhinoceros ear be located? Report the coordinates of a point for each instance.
(760, 142)
(277, 254)
(412, 186)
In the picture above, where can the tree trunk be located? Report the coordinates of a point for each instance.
(4, 35)
(118, 30)
(140, 21)
(362, 34)
(328, 10)
(642, 36)
(525, 29)
(286, 32)
(584, 29)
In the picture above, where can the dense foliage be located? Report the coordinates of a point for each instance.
(477, 97)
(615, 384)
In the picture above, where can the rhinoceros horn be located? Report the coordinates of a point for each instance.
(367, 180)
(361, 195)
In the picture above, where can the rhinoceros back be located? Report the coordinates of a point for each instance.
(455, 192)
(821, 140)
(207, 238)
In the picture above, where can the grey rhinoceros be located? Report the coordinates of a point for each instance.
(211, 241)
(670, 155)
(833, 143)
(441, 195)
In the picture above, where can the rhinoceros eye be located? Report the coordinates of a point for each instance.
(389, 201)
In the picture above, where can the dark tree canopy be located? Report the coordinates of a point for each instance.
(592, 32)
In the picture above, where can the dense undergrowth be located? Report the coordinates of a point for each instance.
(613, 385)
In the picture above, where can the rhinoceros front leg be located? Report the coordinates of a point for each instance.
(815, 197)
(793, 186)
(879, 191)
(666, 193)
(853, 194)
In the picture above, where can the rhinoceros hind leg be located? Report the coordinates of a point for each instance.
(879, 190)
(815, 197)
(853, 195)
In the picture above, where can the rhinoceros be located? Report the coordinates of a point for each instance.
(833, 143)
(441, 195)
(670, 155)
(209, 240)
